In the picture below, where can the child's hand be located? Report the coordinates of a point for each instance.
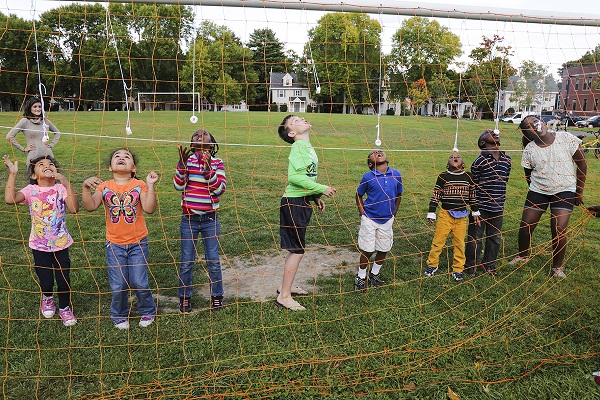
(29, 148)
(60, 177)
(330, 191)
(320, 204)
(206, 157)
(12, 168)
(431, 221)
(92, 183)
(184, 154)
(152, 178)
(594, 210)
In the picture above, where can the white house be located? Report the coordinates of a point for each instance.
(543, 94)
(284, 89)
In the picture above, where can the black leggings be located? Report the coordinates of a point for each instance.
(51, 265)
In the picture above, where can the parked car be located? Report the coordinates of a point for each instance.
(506, 118)
(593, 122)
(516, 118)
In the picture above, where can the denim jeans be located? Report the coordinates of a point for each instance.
(128, 269)
(208, 227)
(491, 223)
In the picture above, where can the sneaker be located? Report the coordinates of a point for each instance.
(558, 273)
(430, 271)
(375, 280)
(519, 260)
(185, 305)
(67, 316)
(491, 271)
(360, 283)
(146, 320)
(216, 303)
(122, 324)
(470, 272)
(48, 308)
(457, 276)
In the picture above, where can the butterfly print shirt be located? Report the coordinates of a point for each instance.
(125, 222)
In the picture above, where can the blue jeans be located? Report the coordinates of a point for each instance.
(208, 227)
(128, 269)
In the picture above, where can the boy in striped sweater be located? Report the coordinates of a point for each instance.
(490, 172)
(200, 177)
(455, 189)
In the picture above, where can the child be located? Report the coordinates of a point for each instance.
(555, 169)
(455, 189)
(49, 239)
(295, 210)
(383, 187)
(200, 176)
(124, 198)
(490, 172)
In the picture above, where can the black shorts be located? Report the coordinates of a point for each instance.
(559, 201)
(294, 216)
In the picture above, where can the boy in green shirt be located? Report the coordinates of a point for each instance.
(295, 211)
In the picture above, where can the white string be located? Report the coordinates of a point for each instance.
(312, 60)
(378, 140)
(45, 137)
(455, 149)
(193, 118)
(125, 88)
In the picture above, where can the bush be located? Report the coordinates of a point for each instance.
(390, 111)
(283, 108)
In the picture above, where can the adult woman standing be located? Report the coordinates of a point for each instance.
(32, 126)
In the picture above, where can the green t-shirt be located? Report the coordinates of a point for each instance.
(302, 171)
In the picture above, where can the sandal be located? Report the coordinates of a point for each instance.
(297, 290)
(290, 304)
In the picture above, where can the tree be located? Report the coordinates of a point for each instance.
(483, 77)
(532, 83)
(418, 94)
(590, 57)
(422, 49)
(267, 54)
(345, 49)
(18, 67)
(223, 66)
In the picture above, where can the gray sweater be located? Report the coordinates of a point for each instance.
(34, 131)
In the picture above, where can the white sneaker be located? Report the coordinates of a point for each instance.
(146, 320)
(122, 324)
(519, 260)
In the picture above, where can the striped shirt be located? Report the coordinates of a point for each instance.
(455, 190)
(201, 190)
(491, 177)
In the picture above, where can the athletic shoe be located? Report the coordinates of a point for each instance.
(48, 308)
(216, 303)
(470, 272)
(67, 316)
(558, 273)
(457, 276)
(146, 320)
(122, 324)
(519, 260)
(375, 280)
(360, 283)
(430, 271)
(491, 271)
(185, 305)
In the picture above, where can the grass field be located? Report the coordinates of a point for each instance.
(521, 335)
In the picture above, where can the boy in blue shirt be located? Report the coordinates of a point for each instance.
(383, 187)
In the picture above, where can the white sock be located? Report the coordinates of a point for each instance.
(362, 273)
(376, 267)
(46, 297)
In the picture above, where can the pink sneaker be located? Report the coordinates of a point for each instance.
(67, 316)
(48, 308)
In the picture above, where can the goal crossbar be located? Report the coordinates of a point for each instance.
(394, 7)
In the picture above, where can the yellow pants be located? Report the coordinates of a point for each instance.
(458, 227)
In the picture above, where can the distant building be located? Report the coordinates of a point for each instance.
(543, 96)
(579, 93)
(285, 89)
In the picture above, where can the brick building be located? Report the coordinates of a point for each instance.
(580, 92)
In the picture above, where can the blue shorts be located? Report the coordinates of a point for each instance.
(559, 201)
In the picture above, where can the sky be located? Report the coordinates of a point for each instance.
(546, 44)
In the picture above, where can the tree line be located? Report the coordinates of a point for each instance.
(83, 52)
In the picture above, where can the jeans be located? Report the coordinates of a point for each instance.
(208, 227)
(128, 269)
(447, 224)
(491, 223)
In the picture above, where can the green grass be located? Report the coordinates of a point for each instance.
(522, 335)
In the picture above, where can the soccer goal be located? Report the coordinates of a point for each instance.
(418, 81)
